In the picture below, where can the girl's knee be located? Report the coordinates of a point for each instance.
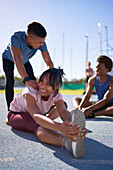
(53, 114)
(76, 99)
(41, 133)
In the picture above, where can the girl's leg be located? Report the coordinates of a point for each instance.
(105, 112)
(53, 114)
(49, 137)
(76, 101)
(22, 121)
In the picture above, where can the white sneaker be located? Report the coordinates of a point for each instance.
(78, 148)
(68, 144)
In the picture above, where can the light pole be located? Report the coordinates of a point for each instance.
(63, 46)
(54, 55)
(87, 39)
(106, 39)
(63, 55)
(71, 62)
(100, 37)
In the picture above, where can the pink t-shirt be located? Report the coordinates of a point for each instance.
(18, 104)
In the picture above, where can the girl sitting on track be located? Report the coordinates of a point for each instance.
(34, 111)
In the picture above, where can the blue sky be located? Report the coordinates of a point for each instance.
(67, 22)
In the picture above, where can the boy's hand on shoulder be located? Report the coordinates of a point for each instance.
(32, 83)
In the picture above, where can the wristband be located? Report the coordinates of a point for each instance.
(26, 79)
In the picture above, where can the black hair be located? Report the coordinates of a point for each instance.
(37, 29)
(106, 60)
(55, 77)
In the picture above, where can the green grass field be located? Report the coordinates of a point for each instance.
(62, 91)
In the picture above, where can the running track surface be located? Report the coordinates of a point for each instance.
(23, 151)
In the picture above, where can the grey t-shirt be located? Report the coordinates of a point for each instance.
(18, 41)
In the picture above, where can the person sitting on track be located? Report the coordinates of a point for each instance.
(104, 90)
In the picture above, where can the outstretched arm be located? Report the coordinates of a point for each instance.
(64, 114)
(65, 128)
(47, 59)
(17, 56)
(85, 99)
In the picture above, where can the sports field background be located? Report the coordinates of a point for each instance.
(65, 88)
(62, 91)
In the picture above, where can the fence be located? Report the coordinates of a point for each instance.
(73, 86)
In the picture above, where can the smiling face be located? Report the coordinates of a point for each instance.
(49, 82)
(35, 41)
(100, 69)
(45, 89)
